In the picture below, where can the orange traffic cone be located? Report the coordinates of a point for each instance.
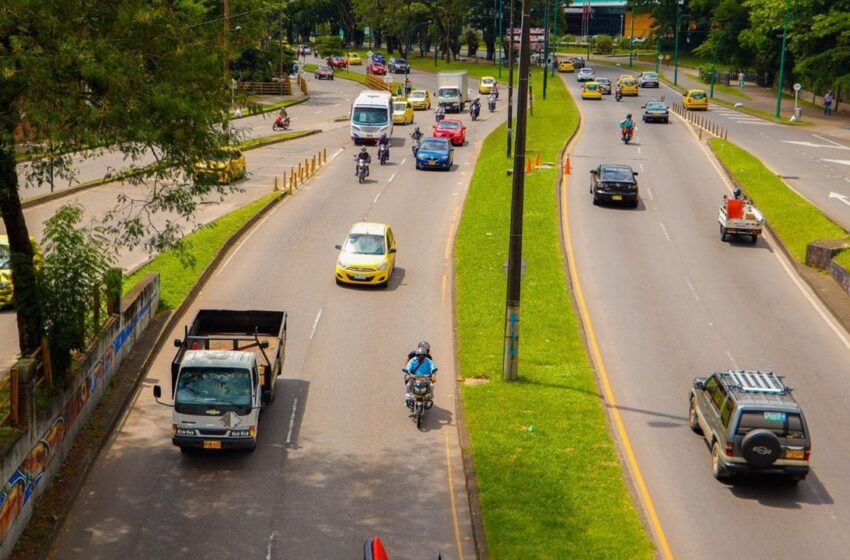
(528, 165)
(537, 161)
(568, 168)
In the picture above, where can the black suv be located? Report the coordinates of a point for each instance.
(578, 62)
(752, 424)
(399, 66)
(614, 183)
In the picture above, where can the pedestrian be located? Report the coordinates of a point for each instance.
(827, 103)
(408, 85)
(741, 80)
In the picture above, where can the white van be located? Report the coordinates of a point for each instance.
(371, 116)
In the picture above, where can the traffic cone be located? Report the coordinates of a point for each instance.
(568, 168)
(528, 165)
(537, 161)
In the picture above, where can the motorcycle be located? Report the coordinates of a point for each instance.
(618, 95)
(474, 109)
(383, 153)
(281, 124)
(415, 146)
(627, 135)
(362, 169)
(491, 104)
(420, 398)
(440, 114)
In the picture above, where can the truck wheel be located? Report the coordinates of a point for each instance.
(717, 469)
(722, 233)
(754, 238)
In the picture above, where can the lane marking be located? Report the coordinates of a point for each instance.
(403, 160)
(291, 422)
(643, 491)
(377, 196)
(269, 543)
(691, 288)
(664, 229)
(451, 235)
(452, 498)
(731, 359)
(391, 178)
(333, 156)
(641, 167)
(443, 289)
(315, 325)
(239, 246)
(834, 143)
(319, 111)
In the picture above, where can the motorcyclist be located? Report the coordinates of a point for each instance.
(416, 134)
(618, 92)
(419, 366)
(495, 90)
(282, 118)
(440, 113)
(475, 107)
(362, 156)
(627, 126)
(424, 344)
(491, 101)
(385, 142)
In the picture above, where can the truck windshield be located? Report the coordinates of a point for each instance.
(370, 115)
(447, 92)
(214, 387)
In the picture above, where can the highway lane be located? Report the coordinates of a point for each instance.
(329, 100)
(344, 462)
(669, 301)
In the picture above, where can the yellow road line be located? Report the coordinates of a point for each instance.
(603, 372)
(452, 498)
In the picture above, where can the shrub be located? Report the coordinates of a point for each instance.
(603, 44)
(473, 40)
(329, 45)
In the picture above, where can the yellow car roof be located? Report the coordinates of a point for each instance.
(369, 228)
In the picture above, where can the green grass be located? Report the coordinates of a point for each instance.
(175, 276)
(842, 258)
(259, 109)
(550, 481)
(253, 143)
(731, 91)
(794, 220)
(352, 76)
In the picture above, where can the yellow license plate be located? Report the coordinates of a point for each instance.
(794, 454)
(432, 163)
(212, 444)
(616, 197)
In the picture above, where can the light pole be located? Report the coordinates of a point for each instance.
(782, 62)
(714, 65)
(511, 81)
(676, 46)
(658, 53)
(512, 300)
(435, 43)
(501, 40)
(632, 41)
(409, 33)
(557, 12)
(545, 44)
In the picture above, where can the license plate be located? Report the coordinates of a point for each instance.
(794, 454)
(617, 197)
(212, 444)
(432, 163)
(359, 276)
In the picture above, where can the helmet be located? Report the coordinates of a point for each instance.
(363, 150)
(629, 116)
(425, 345)
(383, 136)
(416, 129)
(421, 352)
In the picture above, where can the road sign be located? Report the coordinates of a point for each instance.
(798, 87)
(660, 57)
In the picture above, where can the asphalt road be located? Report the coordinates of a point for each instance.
(329, 100)
(669, 301)
(338, 459)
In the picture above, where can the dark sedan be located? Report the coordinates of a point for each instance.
(656, 111)
(435, 153)
(399, 66)
(578, 62)
(614, 183)
(324, 73)
(604, 85)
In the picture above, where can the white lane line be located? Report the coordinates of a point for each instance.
(377, 196)
(649, 194)
(239, 246)
(391, 178)
(319, 111)
(731, 359)
(269, 543)
(664, 229)
(834, 143)
(638, 149)
(847, 179)
(315, 324)
(333, 156)
(337, 105)
(291, 421)
(691, 288)
(403, 160)
(641, 167)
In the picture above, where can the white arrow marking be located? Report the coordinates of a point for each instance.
(841, 161)
(842, 197)
(813, 145)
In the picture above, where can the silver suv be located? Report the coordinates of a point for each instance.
(752, 424)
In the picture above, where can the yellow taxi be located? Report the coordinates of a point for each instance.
(485, 86)
(591, 90)
(367, 256)
(628, 85)
(695, 99)
(402, 111)
(566, 66)
(7, 287)
(420, 99)
(354, 58)
(226, 165)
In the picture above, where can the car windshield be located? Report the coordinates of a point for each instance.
(417, 95)
(629, 82)
(591, 87)
(400, 61)
(224, 155)
(433, 145)
(650, 76)
(603, 80)
(656, 106)
(324, 68)
(618, 174)
(399, 107)
(370, 115)
(449, 125)
(697, 95)
(488, 81)
(5, 257)
(214, 386)
(364, 244)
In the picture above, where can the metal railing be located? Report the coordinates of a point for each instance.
(283, 87)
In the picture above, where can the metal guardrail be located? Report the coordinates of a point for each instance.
(700, 122)
(283, 87)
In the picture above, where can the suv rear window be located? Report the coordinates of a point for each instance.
(782, 424)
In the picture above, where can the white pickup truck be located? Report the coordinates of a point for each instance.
(738, 216)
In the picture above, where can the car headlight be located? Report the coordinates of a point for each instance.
(239, 433)
(342, 263)
(383, 266)
(185, 431)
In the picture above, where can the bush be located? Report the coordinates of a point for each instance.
(473, 40)
(603, 44)
(260, 65)
(329, 45)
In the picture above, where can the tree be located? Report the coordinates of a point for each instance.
(823, 53)
(139, 77)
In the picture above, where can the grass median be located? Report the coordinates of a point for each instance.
(791, 217)
(176, 278)
(345, 74)
(550, 481)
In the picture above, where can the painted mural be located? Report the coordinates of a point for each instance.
(20, 487)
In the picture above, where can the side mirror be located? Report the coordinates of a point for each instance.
(635, 173)
(338, 246)
(643, 106)
(393, 249)
(264, 344)
(593, 171)
(157, 392)
(699, 384)
(178, 343)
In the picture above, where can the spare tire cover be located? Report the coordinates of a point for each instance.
(761, 448)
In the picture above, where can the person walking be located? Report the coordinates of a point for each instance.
(827, 103)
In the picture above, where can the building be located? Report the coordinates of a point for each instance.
(605, 17)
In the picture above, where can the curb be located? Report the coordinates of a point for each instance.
(305, 99)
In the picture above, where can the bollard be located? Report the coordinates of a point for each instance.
(306, 167)
(313, 163)
(275, 185)
(324, 155)
(700, 133)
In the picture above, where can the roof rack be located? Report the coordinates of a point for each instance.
(758, 382)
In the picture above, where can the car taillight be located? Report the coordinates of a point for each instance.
(729, 448)
(173, 429)
(807, 453)
(252, 431)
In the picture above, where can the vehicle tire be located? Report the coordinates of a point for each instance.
(361, 178)
(595, 201)
(419, 414)
(636, 202)
(693, 420)
(187, 450)
(717, 469)
(338, 282)
(794, 480)
(761, 448)
(723, 235)
(754, 239)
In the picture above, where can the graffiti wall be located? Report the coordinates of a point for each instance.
(43, 452)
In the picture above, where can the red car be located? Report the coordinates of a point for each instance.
(337, 62)
(452, 129)
(376, 68)
(324, 73)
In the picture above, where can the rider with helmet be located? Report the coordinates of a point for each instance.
(416, 134)
(362, 156)
(385, 142)
(420, 365)
(627, 126)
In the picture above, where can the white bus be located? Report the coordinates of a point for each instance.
(371, 116)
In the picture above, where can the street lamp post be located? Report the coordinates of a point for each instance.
(511, 81)
(632, 41)
(501, 40)
(556, 14)
(676, 45)
(545, 44)
(658, 53)
(435, 43)
(782, 62)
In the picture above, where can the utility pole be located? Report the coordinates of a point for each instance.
(511, 81)
(782, 63)
(676, 47)
(632, 40)
(226, 44)
(512, 304)
(545, 44)
(501, 39)
(280, 42)
(714, 65)
(555, 33)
